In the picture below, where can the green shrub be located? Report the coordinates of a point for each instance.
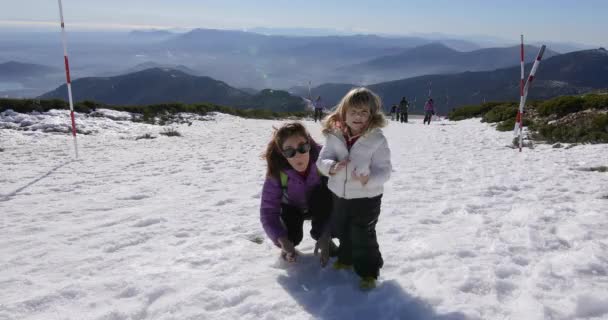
(472, 111)
(87, 106)
(595, 101)
(465, 112)
(164, 112)
(506, 125)
(509, 124)
(595, 132)
(561, 106)
(32, 105)
(500, 113)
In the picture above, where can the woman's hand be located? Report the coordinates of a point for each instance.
(289, 251)
(361, 178)
(338, 166)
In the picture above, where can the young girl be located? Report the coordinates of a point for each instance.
(294, 190)
(358, 161)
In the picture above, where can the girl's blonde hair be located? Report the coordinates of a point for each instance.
(356, 98)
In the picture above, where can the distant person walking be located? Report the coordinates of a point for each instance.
(398, 113)
(429, 111)
(318, 109)
(393, 111)
(403, 106)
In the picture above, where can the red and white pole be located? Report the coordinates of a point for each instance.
(447, 104)
(531, 78)
(309, 91)
(518, 119)
(67, 76)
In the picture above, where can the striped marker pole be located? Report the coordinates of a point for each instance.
(527, 89)
(67, 76)
(447, 103)
(309, 91)
(518, 119)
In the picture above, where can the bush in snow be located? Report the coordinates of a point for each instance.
(585, 126)
(596, 169)
(509, 124)
(472, 111)
(501, 113)
(36, 105)
(563, 106)
(145, 136)
(164, 112)
(562, 119)
(171, 132)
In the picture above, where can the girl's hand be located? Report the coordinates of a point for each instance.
(361, 178)
(338, 166)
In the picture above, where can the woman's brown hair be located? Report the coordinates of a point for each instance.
(275, 160)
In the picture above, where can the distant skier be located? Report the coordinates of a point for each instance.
(403, 105)
(294, 190)
(393, 111)
(429, 111)
(398, 112)
(318, 104)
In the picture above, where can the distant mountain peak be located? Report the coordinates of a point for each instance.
(13, 63)
(160, 70)
(154, 65)
(601, 50)
(434, 46)
(16, 69)
(167, 85)
(151, 31)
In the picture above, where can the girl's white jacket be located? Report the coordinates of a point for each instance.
(369, 155)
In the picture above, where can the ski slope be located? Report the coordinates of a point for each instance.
(168, 228)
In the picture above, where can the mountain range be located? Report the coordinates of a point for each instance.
(248, 59)
(437, 58)
(13, 70)
(567, 74)
(159, 85)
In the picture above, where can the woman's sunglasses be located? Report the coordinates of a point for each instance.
(290, 152)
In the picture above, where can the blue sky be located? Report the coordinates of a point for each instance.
(581, 21)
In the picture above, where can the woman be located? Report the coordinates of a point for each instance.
(294, 190)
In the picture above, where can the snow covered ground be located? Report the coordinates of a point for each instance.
(166, 228)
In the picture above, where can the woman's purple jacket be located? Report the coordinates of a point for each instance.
(298, 189)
